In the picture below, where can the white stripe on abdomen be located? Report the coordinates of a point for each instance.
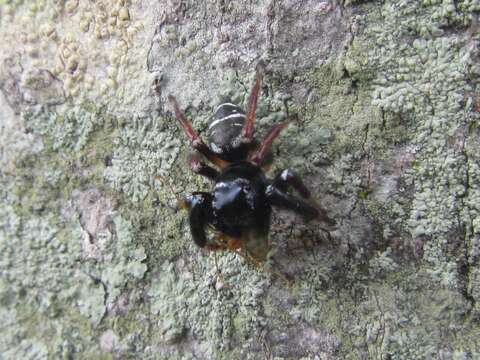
(232, 116)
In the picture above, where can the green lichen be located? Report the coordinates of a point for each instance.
(125, 260)
(195, 308)
(91, 298)
(38, 279)
(44, 273)
(427, 78)
(142, 151)
(423, 74)
(69, 131)
(385, 136)
(420, 94)
(45, 266)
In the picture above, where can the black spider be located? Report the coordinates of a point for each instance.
(240, 204)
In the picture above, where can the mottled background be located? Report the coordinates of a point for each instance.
(96, 262)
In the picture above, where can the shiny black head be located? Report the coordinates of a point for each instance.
(234, 201)
(239, 200)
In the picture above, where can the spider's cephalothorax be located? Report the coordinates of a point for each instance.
(240, 204)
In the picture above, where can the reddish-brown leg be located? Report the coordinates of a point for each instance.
(258, 156)
(228, 242)
(235, 243)
(195, 140)
(225, 242)
(215, 247)
(199, 167)
(248, 129)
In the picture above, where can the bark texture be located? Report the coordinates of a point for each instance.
(96, 262)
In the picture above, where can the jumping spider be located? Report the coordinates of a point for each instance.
(240, 204)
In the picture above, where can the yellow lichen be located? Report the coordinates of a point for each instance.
(71, 5)
(123, 14)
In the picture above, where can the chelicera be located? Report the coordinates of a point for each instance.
(240, 204)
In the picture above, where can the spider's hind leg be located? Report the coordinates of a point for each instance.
(248, 127)
(195, 140)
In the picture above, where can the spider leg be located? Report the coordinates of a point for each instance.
(248, 129)
(200, 206)
(199, 167)
(195, 141)
(259, 155)
(279, 198)
(219, 273)
(287, 178)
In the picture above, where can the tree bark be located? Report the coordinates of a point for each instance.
(383, 107)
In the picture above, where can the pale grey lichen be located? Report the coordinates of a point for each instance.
(90, 298)
(15, 143)
(36, 249)
(125, 260)
(398, 172)
(194, 311)
(70, 130)
(382, 263)
(45, 274)
(117, 261)
(143, 150)
(428, 78)
(36, 264)
(13, 343)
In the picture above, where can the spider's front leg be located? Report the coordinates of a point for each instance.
(277, 193)
(200, 215)
(260, 154)
(277, 197)
(199, 205)
(286, 178)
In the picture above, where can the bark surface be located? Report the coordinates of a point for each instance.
(96, 261)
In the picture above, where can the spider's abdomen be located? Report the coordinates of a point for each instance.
(224, 132)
